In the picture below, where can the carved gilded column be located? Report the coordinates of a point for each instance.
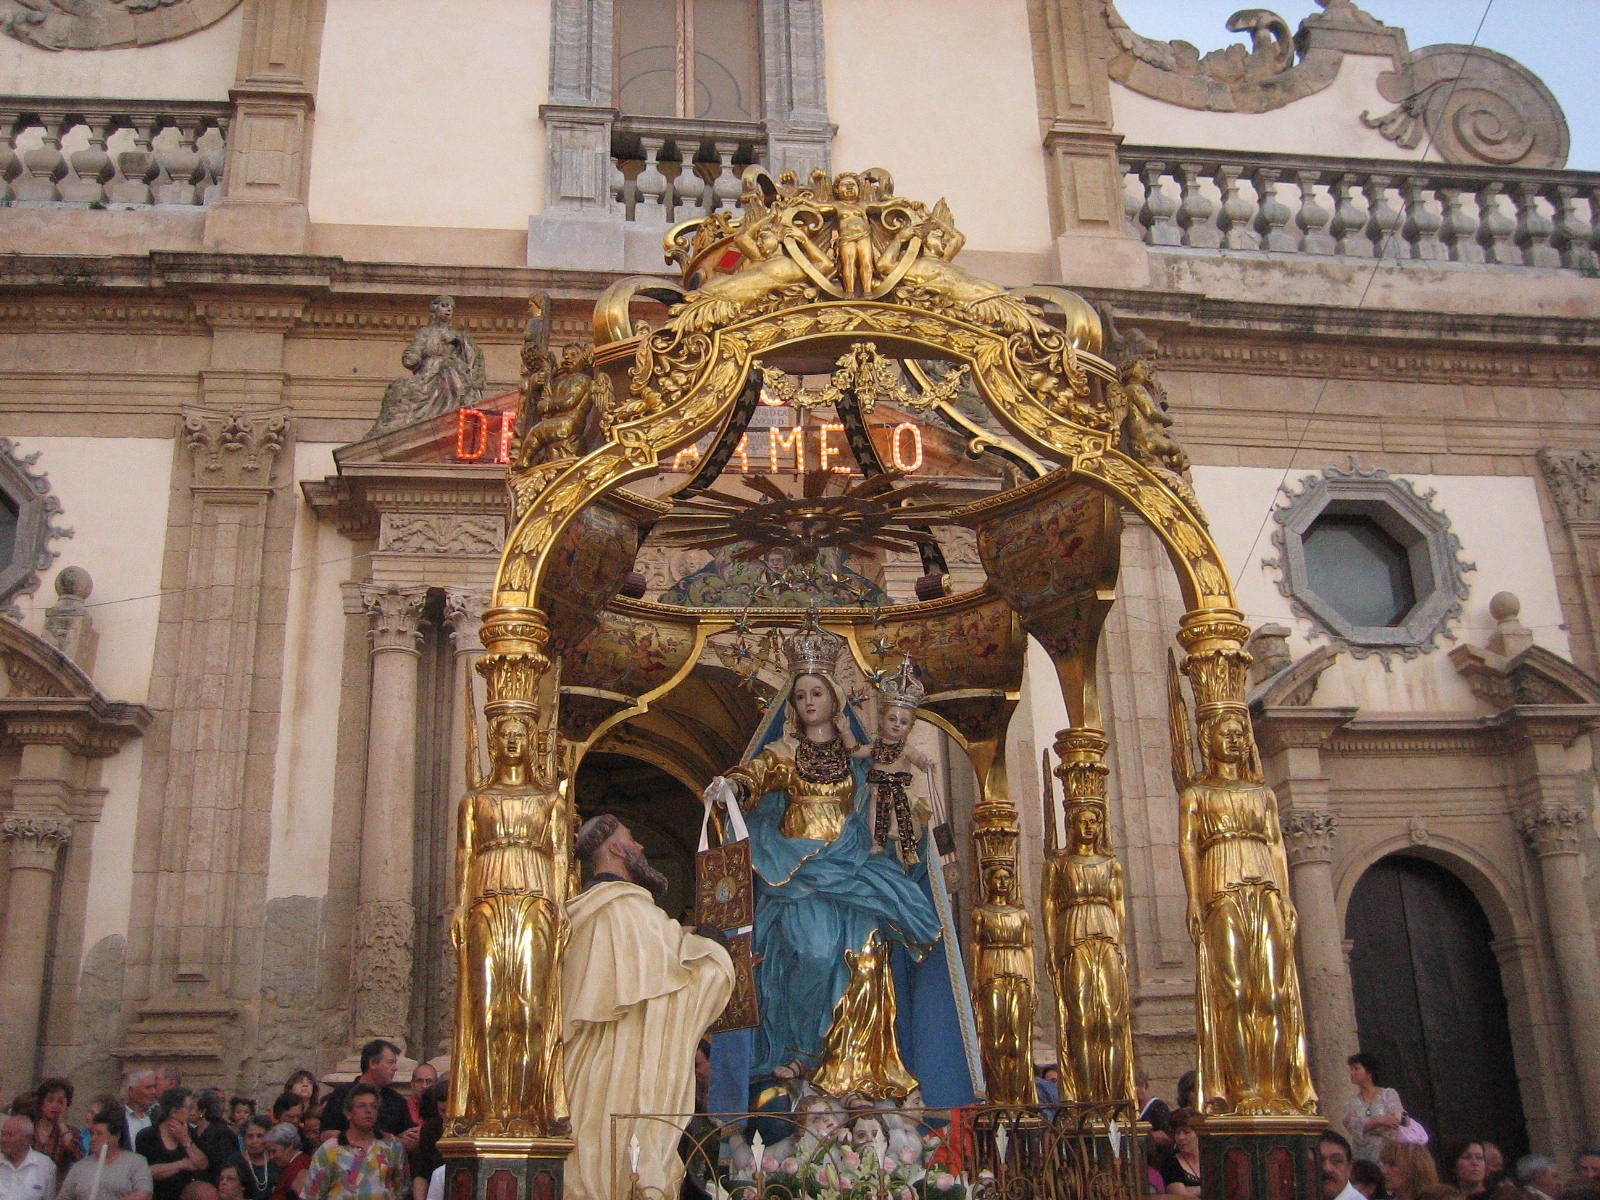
(508, 1104)
(1085, 926)
(1003, 962)
(1555, 832)
(34, 842)
(1252, 1041)
(381, 961)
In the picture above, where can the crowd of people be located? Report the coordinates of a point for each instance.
(364, 1140)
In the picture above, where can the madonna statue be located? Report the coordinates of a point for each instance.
(835, 914)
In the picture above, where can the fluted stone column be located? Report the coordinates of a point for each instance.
(33, 842)
(1324, 971)
(1554, 832)
(385, 910)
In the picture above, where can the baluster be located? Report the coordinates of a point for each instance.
(698, 178)
(1195, 208)
(91, 167)
(1236, 214)
(1133, 201)
(180, 163)
(650, 184)
(1571, 233)
(136, 168)
(1459, 229)
(1159, 209)
(1312, 218)
(1495, 227)
(1422, 223)
(677, 168)
(1272, 214)
(1382, 218)
(1349, 225)
(43, 166)
(725, 187)
(1534, 229)
(214, 157)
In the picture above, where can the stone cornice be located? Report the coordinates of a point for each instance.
(92, 727)
(1282, 728)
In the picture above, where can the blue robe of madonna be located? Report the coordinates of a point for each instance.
(816, 898)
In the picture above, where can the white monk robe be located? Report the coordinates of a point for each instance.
(638, 992)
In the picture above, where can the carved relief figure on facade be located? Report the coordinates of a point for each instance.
(511, 865)
(446, 373)
(105, 24)
(1236, 874)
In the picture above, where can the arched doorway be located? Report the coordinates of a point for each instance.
(1429, 1001)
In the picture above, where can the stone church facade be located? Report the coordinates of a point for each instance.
(238, 629)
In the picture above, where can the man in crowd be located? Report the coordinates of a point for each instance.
(25, 1174)
(1334, 1157)
(124, 1175)
(360, 1162)
(378, 1061)
(1538, 1177)
(639, 992)
(140, 1084)
(1586, 1167)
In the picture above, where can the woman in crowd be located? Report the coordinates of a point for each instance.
(304, 1084)
(258, 1172)
(229, 1185)
(1367, 1178)
(61, 1143)
(283, 1147)
(425, 1159)
(1181, 1172)
(1407, 1169)
(1374, 1112)
(123, 1175)
(175, 1161)
(213, 1134)
(1467, 1166)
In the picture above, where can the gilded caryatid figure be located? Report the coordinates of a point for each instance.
(509, 926)
(1084, 922)
(1003, 995)
(1252, 1033)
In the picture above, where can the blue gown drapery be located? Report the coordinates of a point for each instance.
(816, 899)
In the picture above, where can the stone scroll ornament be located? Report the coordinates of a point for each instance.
(107, 24)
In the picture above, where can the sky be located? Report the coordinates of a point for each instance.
(1552, 38)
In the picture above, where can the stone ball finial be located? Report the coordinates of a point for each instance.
(74, 582)
(1504, 606)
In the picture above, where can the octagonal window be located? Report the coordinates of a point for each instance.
(1372, 564)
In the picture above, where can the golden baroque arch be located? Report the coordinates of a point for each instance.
(841, 274)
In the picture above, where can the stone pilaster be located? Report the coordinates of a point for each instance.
(382, 949)
(1291, 741)
(201, 850)
(1573, 479)
(1071, 45)
(1554, 831)
(794, 87)
(263, 204)
(34, 842)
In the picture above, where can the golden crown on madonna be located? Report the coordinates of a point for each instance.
(902, 688)
(812, 650)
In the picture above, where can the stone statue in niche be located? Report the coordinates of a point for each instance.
(446, 373)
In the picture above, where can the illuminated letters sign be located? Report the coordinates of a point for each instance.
(485, 437)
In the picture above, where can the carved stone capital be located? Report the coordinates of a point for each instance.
(395, 614)
(1573, 477)
(35, 838)
(381, 966)
(235, 449)
(463, 616)
(1308, 835)
(1554, 828)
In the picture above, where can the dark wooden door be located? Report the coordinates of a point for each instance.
(1429, 1002)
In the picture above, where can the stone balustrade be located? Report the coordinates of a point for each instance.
(1361, 209)
(111, 153)
(666, 170)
